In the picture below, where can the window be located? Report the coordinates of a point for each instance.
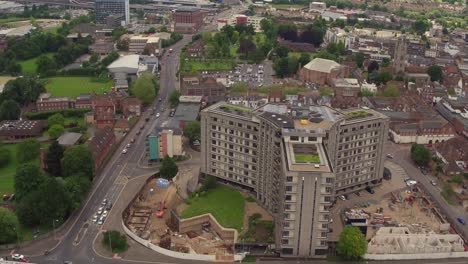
(328, 189)
(285, 234)
(289, 188)
(323, 243)
(285, 242)
(289, 179)
(294, 138)
(327, 198)
(286, 224)
(324, 225)
(287, 207)
(286, 251)
(288, 197)
(329, 180)
(312, 138)
(323, 234)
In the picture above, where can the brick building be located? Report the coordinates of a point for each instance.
(100, 145)
(46, 102)
(322, 71)
(187, 20)
(131, 106)
(12, 131)
(104, 111)
(195, 86)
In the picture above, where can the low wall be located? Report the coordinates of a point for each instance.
(175, 254)
(416, 256)
(195, 224)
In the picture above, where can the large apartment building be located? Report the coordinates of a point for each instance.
(112, 12)
(296, 160)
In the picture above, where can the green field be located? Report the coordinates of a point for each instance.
(29, 66)
(74, 86)
(224, 203)
(12, 19)
(192, 66)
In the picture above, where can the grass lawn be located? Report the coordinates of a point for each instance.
(29, 66)
(77, 120)
(12, 19)
(224, 203)
(196, 66)
(74, 86)
(5, 79)
(26, 233)
(303, 158)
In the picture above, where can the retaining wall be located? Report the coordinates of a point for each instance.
(416, 256)
(195, 224)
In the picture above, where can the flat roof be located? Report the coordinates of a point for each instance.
(69, 138)
(310, 149)
(322, 65)
(187, 111)
(127, 61)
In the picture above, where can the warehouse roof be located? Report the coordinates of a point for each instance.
(322, 65)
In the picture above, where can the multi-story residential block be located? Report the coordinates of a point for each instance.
(139, 43)
(295, 160)
(244, 20)
(112, 12)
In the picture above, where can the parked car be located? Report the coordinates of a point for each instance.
(100, 209)
(132, 140)
(124, 151)
(461, 220)
(17, 257)
(390, 156)
(411, 182)
(433, 182)
(370, 190)
(109, 206)
(342, 197)
(129, 145)
(406, 179)
(104, 202)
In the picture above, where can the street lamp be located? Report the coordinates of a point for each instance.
(53, 225)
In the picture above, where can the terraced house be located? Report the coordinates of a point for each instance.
(296, 160)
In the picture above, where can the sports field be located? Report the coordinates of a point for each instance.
(73, 86)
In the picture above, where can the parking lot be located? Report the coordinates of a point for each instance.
(255, 75)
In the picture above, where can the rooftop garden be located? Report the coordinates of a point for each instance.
(307, 158)
(236, 108)
(357, 114)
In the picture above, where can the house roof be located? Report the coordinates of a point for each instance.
(69, 138)
(128, 62)
(22, 127)
(322, 65)
(187, 112)
(101, 138)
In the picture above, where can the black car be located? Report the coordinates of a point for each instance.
(370, 190)
(109, 206)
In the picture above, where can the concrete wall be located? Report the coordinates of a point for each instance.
(416, 256)
(175, 254)
(419, 139)
(195, 224)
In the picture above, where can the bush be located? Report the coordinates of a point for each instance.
(250, 199)
(115, 241)
(209, 183)
(457, 179)
(5, 156)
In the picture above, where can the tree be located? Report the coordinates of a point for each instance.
(325, 91)
(352, 244)
(56, 131)
(56, 119)
(28, 150)
(391, 91)
(76, 160)
(246, 46)
(23, 90)
(28, 177)
(192, 131)
(366, 93)
(304, 59)
(45, 65)
(53, 159)
(174, 98)
(281, 67)
(435, 71)
(373, 66)
(8, 226)
(9, 110)
(168, 169)
(420, 154)
(94, 58)
(145, 88)
(239, 87)
(77, 186)
(359, 59)
(5, 156)
(420, 26)
(115, 241)
(123, 44)
(46, 205)
(281, 51)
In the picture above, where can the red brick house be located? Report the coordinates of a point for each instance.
(104, 112)
(131, 106)
(101, 144)
(46, 102)
(454, 155)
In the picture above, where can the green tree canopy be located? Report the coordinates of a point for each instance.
(8, 226)
(359, 59)
(45, 64)
(28, 150)
(420, 154)
(192, 131)
(115, 241)
(56, 119)
(77, 186)
(304, 59)
(435, 71)
(53, 159)
(47, 205)
(76, 160)
(174, 98)
(9, 110)
(352, 244)
(28, 177)
(391, 91)
(145, 88)
(56, 131)
(168, 169)
(23, 90)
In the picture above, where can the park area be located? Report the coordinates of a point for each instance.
(73, 86)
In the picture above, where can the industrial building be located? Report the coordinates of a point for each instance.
(295, 160)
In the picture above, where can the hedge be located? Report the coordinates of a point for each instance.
(65, 113)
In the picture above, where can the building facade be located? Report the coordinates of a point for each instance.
(187, 20)
(116, 10)
(46, 102)
(295, 160)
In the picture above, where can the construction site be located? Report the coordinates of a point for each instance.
(404, 222)
(152, 216)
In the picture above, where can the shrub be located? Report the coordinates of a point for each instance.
(115, 241)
